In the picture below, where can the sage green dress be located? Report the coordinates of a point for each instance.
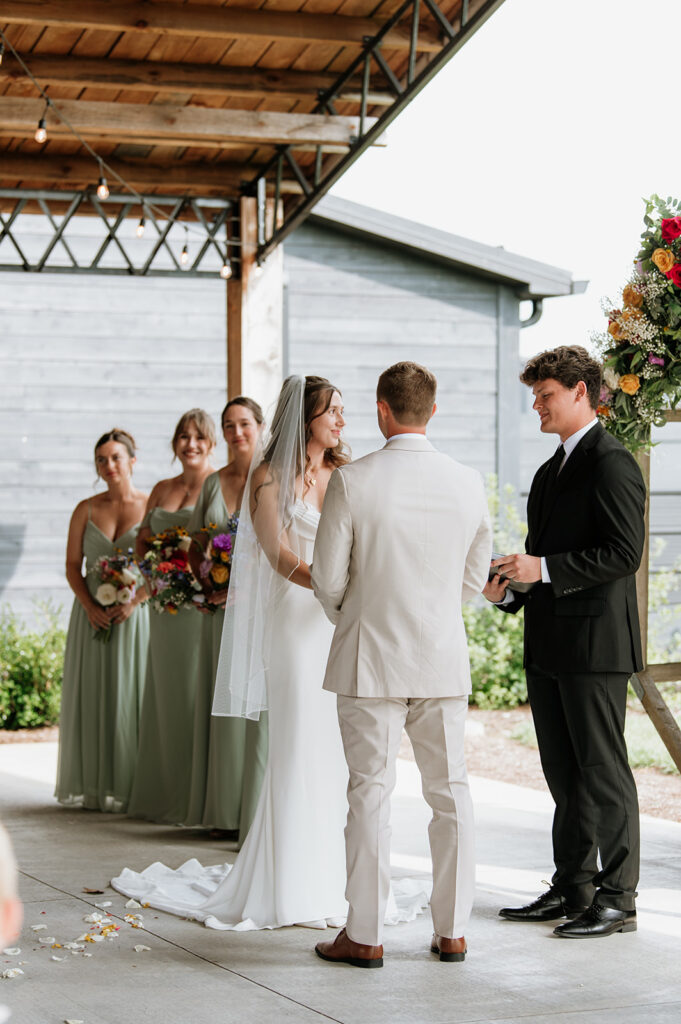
(101, 696)
(230, 754)
(160, 790)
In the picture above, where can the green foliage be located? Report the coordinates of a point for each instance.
(31, 667)
(495, 639)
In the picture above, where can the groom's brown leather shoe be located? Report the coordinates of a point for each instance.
(344, 951)
(450, 951)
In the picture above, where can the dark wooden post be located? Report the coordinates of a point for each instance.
(237, 288)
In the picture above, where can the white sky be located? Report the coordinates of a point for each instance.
(542, 135)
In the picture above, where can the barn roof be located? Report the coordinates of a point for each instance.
(530, 279)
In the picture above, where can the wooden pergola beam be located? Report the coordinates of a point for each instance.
(201, 79)
(170, 124)
(74, 170)
(212, 22)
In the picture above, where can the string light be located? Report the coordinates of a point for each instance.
(40, 136)
(41, 131)
(102, 187)
(257, 269)
(184, 255)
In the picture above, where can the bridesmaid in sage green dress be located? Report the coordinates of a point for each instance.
(103, 681)
(230, 754)
(160, 790)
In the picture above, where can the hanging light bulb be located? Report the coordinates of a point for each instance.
(102, 188)
(41, 131)
(257, 269)
(226, 269)
(184, 256)
(139, 230)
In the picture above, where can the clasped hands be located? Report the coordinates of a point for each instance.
(519, 568)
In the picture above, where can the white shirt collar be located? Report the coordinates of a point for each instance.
(570, 443)
(404, 437)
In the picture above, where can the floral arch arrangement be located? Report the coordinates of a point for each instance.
(641, 348)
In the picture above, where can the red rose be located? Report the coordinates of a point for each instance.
(674, 275)
(671, 228)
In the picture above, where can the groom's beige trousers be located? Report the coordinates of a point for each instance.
(372, 729)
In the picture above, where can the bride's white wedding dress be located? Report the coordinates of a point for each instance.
(291, 868)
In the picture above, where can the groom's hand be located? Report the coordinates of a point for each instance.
(520, 568)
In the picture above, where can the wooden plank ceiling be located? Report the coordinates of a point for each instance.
(194, 96)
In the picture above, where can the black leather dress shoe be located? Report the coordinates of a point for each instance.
(596, 921)
(547, 907)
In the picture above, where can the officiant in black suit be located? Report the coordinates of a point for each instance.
(585, 514)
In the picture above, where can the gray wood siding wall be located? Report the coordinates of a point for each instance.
(79, 355)
(355, 306)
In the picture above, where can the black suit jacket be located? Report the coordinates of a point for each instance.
(590, 528)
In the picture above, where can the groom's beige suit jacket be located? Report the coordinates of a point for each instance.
(404, 539)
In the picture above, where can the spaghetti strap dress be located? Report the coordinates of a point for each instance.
(229, 754)
(160, 790)
(101, 696)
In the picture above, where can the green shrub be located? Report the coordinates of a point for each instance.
(495, 639)
(31, 668)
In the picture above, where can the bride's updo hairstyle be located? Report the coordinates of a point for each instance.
(122, 437)
(203, 423)
(318, 394)
(409, 389)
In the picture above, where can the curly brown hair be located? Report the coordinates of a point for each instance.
(568, 364)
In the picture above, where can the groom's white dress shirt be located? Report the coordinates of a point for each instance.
(404, 538)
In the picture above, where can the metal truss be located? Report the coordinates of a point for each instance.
(328, 168)
(207, 229)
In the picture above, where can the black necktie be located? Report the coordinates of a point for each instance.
(554, 467)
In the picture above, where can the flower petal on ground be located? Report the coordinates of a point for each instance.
(11, 951)
(142, 949)
(13, 972)
(133, 905)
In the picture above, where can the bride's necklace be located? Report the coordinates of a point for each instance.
(309, 479)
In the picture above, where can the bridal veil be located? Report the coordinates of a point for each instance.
(266, 553)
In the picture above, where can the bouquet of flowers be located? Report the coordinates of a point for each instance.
(212, 559)
(117, 577)
(641, 348)
(168, 573)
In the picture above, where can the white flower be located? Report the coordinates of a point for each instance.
(106, 594)
(13, 972)
(127, 577)
(124, 596)
(185, 543)
(611, 378)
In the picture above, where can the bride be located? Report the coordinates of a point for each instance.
(291, 868)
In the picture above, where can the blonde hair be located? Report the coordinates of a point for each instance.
(409, 389)
(203, 423)
(8, 869)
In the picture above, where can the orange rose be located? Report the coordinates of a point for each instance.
(615, 329)
(631, 297)
(663, 260)
(629, 383)
(632, 314)
(603, 410)
(220, 574)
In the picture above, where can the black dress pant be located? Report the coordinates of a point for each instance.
(579, 720)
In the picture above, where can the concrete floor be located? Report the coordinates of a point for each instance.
(513, 973)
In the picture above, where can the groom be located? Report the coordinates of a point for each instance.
(403, 539)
